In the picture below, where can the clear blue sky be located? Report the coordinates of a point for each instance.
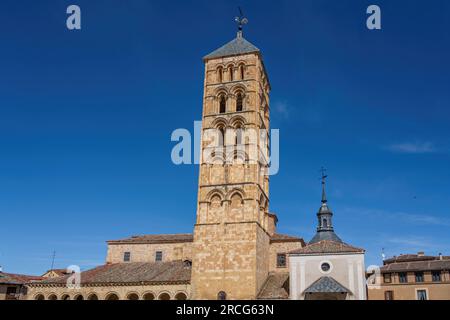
(86, 119)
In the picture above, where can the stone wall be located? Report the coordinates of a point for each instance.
(144, 252)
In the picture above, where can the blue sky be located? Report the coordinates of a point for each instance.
(86, 118)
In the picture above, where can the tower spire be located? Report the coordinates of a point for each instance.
(325, 229)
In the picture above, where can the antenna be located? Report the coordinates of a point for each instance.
(53, 259)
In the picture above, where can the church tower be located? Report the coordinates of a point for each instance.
(233, 224)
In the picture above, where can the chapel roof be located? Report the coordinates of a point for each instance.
(327, 247)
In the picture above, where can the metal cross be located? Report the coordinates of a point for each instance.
(324, 176)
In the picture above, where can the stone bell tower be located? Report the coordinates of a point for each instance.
(232, 230)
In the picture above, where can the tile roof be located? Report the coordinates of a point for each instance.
(59, 272)
(327, 246)
(429, 265)
(155, 238)
(235, 47)
(275, 287)
(12, 278)
(132, 272)
(278, 237)
(325, 285)
(409, 257)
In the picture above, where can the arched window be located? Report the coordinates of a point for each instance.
(180, 296)
(164, 296)
(222, 295)
(112, 296)
(52, 297)
(219, 74)
(92, 296)
(79, 297)
(230, 70)
(149, 296)
(239, 102)
(39, 297)
(241, 71)
(65, 297)
(133, 296)
(221, 137)
(238, 140)
(222, 104)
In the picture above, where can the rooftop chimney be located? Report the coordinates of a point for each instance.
(420, 253)
(440, 256)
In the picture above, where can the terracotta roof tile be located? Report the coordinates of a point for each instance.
(133, 272)
(277, 237)
(327, 246)
(12, 278)
(417, 266)
(275, 287)
(156, 238)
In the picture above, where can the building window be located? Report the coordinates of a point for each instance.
(436, 276)
(402, 277)
(241, 69)
(222, 295)
(230, 70)
(11, 293)
(219, 74)
(389, 295)
(281, 260)
(126, 256)
(387, 278)
(239, 102)
(422, 295)
(222, 104)
(158, 256)
(238, 140)
(325, 267)
(419, 276)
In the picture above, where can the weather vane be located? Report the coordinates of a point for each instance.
(324, 176)
(240, 20)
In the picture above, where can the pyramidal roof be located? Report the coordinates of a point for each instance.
(236, 46)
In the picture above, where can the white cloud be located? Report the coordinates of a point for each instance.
(282, 109)
(412, 147)
(417, 219)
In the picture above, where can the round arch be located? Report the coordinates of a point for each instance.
(132, 296)
(52, 296)
(92, 296)
(78, 297)
(149, 296)
(112, 296)
(164, 296)
(181, 296)
(39, 296)
(65, 296)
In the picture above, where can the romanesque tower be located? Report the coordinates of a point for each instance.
(233, 225)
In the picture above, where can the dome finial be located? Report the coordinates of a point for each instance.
(240, 20)
(324, 176)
